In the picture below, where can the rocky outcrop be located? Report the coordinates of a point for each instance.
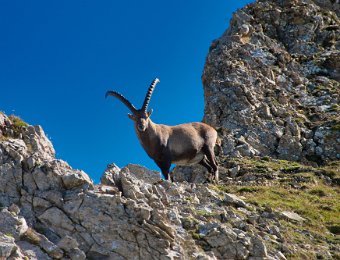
(51, 211)
(271, 81)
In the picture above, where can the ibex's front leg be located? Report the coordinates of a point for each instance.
(165, 168)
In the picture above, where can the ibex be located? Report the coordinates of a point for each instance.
(184, 144)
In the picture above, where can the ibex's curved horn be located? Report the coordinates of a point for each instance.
(123, 99)
(149, 93)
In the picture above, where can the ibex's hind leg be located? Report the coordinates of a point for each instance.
(209, 153)
(206, 164)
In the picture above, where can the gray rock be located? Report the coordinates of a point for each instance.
(142, 173)
(258, 248)
(67, 243)
(41, 146)
(3, 118)
(292, 216)
(7, 245)
(77, 254)
(11, 224)
(192, 174)
(31, 251)
(232, 199)
(70, 245)
(14, 209)
(280, 256)
(76, 179)
(108, 176)
(234, 171)
(57, 220)
(45, 244)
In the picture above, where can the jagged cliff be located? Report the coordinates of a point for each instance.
(271, 88)
(271, 81)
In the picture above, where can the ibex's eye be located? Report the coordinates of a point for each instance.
(141, 127)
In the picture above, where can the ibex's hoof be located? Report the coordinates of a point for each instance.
(158, 182)
(213, 178)
(217, 177)
(163, 180)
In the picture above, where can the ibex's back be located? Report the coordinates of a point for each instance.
(184, 144)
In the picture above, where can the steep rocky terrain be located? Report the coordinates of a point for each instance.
(271, 81)
(271, 85)
(51, 211)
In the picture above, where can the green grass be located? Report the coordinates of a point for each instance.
(196, 235)
(204, 213)
(17, 125)
(248, 189)
(219, 188)
(332, 170)
(17, 121)
(318, 192)
(336, 127)
(298, 188)
(334, 108)
(318, 203)
(265, 164)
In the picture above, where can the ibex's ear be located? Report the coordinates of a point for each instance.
(132, 117)
(150, 112)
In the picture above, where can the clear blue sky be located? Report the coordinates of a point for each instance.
(58, 58)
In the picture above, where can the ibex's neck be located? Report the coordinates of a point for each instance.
(147, 138)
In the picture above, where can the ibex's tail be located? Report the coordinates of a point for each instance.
(149, 93)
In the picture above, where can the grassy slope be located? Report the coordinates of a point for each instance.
(313, 193)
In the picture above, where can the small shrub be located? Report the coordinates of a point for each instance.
(17, 121)
(265, 158)
(318, 192)
(196, 236)
(336, 127)
(291, 168)
(248, 189)
(334, 229)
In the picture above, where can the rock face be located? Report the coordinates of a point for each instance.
(51, 211)
(271, 81)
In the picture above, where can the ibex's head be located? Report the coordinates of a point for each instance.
(139, 116)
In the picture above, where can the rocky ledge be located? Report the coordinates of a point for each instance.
(51, 211)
